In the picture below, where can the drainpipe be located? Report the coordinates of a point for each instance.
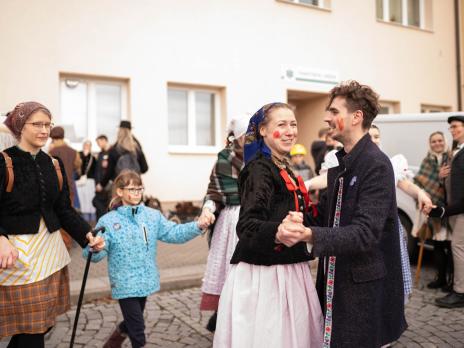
(458, 52)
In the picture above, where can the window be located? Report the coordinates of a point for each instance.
(325, 4)
(410, 13)
(389, 107)
(193, 119)
(90, 107)
(434, 108)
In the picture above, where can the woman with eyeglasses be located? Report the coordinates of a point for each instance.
(34, 205)
(132, 234)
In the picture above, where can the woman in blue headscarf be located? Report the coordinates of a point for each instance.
(269, 299)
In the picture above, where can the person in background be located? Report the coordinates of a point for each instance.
(125, 154)
(222, 199)
(86, 183)
(319, 149)
(299, 166)
(7, 139)
(454, 210)
(431, 176)
(102, 196)
(72, 163)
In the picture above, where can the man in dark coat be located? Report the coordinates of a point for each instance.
(359, 281)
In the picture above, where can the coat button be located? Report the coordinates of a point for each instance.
(301, 208)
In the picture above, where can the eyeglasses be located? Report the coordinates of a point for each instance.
(40, 125)
(134, 190)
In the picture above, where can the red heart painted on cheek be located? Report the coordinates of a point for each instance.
(276, 134)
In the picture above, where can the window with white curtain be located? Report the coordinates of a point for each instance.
(90, 107)
(193, 118)
(406, 12)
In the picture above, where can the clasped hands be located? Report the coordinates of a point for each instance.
(292, 231)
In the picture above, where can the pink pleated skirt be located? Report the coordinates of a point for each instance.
(269, 307)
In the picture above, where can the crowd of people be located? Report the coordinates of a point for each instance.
(267, 213)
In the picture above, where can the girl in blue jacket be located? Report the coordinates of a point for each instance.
(132, 233)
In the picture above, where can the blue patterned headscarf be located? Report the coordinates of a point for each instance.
(254, 142)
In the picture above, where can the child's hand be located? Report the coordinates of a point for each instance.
(206, 218)
(96, 244)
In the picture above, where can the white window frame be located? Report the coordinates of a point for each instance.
(404, 11)
(428, 108)
(92, 101)
(322, 4)
(191, 146)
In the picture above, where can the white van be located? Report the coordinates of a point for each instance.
(408, 134)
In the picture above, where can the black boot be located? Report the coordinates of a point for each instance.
(116, 339)
(211, 326)
(439, 258)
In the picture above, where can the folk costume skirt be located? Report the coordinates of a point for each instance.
(218, 265)
(32, 308)
(36, 289)
(269, 307)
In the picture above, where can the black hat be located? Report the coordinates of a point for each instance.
(456, 118)
(125, 124)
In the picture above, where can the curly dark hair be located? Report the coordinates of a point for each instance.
(357, 97)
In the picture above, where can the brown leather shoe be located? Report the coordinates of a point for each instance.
(116, 339)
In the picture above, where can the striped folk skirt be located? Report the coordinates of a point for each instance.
(32, 308)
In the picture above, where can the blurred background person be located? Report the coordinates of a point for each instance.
(454, 209)
(7, 139)
(126, 153)
(319, 148)
(72, 165)
(298, 164)
(102, 196)
(430, 177)
(86, 183)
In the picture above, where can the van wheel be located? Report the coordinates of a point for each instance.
(413, 249)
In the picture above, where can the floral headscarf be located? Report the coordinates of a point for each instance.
(17, 118)
(254, 142)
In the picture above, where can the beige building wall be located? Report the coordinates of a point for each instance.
(239, 46)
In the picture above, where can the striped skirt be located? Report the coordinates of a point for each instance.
(32, 308)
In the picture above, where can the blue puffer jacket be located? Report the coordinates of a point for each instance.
(131, 236)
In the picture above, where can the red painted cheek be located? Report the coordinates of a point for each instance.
(276, 134)
(341, 124)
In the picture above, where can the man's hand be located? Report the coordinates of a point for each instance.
(8, 253)
(206, 218)
(290, 233)
(97, 243)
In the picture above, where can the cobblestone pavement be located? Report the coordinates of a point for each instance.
(174, 320)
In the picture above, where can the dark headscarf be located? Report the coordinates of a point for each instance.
(17, 118)
(254, 142)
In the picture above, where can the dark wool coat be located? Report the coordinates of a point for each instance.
(36, 195)
(368, 305)
(456, 191)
